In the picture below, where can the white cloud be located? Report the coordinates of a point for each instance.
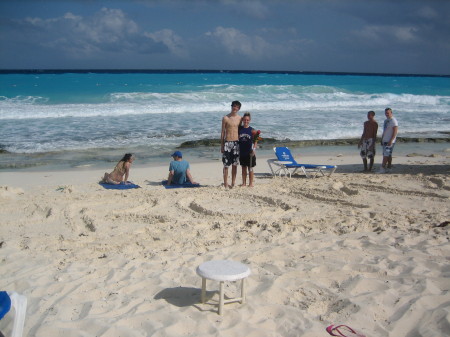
(380, 33)
(428, 13)
(107, 31)
(235, 42)
(173, 42)
(109, 26)
(405, 33)
(70, 16)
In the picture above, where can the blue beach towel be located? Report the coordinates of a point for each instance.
(185, 185)
(121, 186)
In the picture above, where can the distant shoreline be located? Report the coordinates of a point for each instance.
(316, 142)
(210, 142)
(205, 150)
(215, 71)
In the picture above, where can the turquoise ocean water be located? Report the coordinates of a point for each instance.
(85, 118)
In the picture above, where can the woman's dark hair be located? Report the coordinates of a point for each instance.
(127, 157)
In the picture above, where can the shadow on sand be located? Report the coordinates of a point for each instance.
(396, 169)
(186, 297)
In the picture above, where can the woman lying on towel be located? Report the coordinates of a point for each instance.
(121, 171)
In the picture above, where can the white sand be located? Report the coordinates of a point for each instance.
(353, 248)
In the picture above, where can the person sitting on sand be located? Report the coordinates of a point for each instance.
(179, 170)
(368, 140)
(247, 157)
(120, 172)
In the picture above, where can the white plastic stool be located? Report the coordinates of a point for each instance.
(223, 270)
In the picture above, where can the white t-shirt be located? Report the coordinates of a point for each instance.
(388, 129)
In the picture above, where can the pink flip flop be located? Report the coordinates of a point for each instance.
(340, 329)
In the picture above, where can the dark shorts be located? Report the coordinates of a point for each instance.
(230, 154)
(245, 161)
(368, 149)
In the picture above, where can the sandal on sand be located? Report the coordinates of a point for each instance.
(343, 331)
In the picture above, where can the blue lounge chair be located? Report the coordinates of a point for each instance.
(286, 164)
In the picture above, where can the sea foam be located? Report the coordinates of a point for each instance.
(100, 111)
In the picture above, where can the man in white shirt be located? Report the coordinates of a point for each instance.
(390, 130)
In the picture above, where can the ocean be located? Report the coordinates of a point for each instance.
(85, 119)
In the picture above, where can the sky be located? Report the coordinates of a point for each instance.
(369, 36)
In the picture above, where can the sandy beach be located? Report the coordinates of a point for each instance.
(363, 249)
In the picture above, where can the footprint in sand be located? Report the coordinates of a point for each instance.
(10, 192)
(339, 186)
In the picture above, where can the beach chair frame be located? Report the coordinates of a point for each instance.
(286, 165)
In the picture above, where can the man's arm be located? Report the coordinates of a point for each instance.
(374, 136)
(127, 171)
(362, 136)
(222, 135)
(394, 134)
(169, 179)
(189, 176)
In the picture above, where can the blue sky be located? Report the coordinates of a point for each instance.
(376, 36)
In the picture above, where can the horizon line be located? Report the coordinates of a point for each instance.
(129, 70)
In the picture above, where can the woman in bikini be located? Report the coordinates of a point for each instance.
(120, 172)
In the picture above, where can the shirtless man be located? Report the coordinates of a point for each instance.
(229, 143)
(368, 139)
